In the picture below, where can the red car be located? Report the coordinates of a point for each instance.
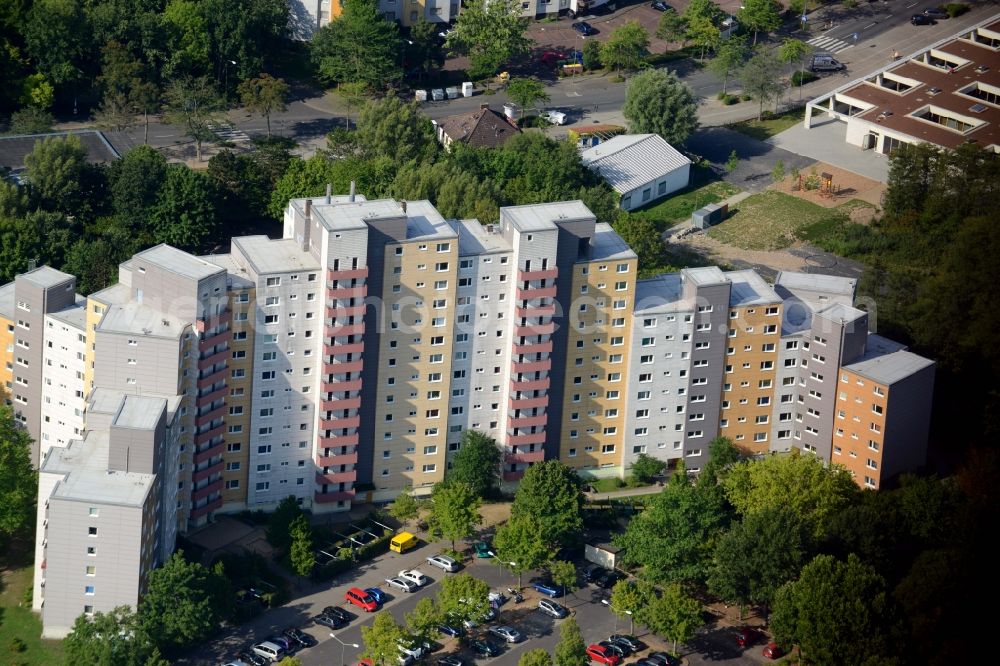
(361, 599)
(602, 655)
(772, 651)
(747, 636)
(366, 662)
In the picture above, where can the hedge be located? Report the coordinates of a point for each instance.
(339, 565)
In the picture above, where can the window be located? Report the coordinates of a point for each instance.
(89, 590)
(428, 469)
(91, 531)
(273, 281)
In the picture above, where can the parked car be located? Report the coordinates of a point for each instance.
(269, 650)
(358, 597)
(620, 650)
(330, 621)
(338, 612)
(602, 655)
(508, 634)
(443, 562)
(663, 659)
(661, 6)
(936, 13)
(921, 19)
(450, 660)
(772, 651)
(747, 636)
(548, 587)
(629, 641)
(451, 630)
(300, 637)
(609, 579)
(252, 658)
(401, 584)
(555, 117)
(485, 648)
(552, 609)
(414, 577)
(377, 594)
(413, 648)
(594, 573)
(583, 28)
(482, 549)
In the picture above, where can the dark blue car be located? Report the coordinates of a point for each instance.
(378, 595)
(451, 630)
(548, 588)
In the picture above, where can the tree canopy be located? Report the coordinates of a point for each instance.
(550, 493)
(381, 639)
(477, 463)
(522, 544)
(626, 47)
(657, 102)
(454, 511)
(491, 34)
(360, 46)
(18, 481)
(114, 638)
(761, 78)
(760, 16)
(392, 128)
(570, 650)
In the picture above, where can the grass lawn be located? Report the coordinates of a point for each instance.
(772, 220)
(17, 621)
(679, 206)
(770, 125)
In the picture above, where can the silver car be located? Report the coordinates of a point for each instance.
(402, 584)
(508, 634)
(443, 562)
(552, 609)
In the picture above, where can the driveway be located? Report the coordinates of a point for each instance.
(756, 158)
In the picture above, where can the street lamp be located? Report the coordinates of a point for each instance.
(512, 565)
(225, 85)
(343, 647)
(631, 620)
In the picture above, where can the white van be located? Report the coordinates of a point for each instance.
(269, 650)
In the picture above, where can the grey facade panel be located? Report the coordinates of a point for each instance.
(715, 297)
(908, 423)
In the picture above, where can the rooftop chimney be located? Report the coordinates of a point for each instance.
(402, 204)
(329, 192)
(351, 197)
(309, 209)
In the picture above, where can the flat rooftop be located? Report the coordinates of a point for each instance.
(840, 313)
(13, 149)
(177, 261)
(138, 319)
(139, 412)
(7, 300)
(117, 293)
(748, 288)
(46, 277)
(475, 238)
(343, 215)
(540, 217)
(320, 204)
(705, 275)
(607, 245)
(887, 362)
(236, 275)
(84, 462)
(267, 255)
(658, 294)
(75, 315)
(424, 221)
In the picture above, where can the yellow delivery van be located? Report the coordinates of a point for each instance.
(403, 542)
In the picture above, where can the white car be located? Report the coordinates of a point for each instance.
(555, 117)
(414, 577)
(402, 584)
(413, 649)
(443, 562)
(508, 634)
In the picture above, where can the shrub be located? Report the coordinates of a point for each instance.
(745, 97)
(17, 645)
(956, 8)
(802, 77)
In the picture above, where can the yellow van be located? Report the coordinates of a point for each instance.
(403, 542)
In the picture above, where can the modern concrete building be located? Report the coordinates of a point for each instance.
(308, 16)
(343, 362)
(946, 94)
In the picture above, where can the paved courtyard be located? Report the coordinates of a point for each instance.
(825, 143)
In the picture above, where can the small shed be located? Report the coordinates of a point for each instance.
(602, 554)
(711, 214)
(640, 167)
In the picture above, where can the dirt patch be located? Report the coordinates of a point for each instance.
(494, 514)
(846, 186)
(720, 253)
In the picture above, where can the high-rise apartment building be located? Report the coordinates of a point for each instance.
(341, 363)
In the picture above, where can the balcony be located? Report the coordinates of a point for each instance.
(342, 311)
(337, 460)
(525, 440)
(222, 337)
(333, 330)
(534, 348)
(526, 458)
(530, 385)
(342, 293)
(207, 472)
(207, 323)
(343, 348)
(528, 403)
(203, 438)
(340, 403)
(210, 489)
(218, 358)
(333, 496)
(529, 293)
(215, 376)
(342, 367)
(341, 386)
(200, 511)
(536, 311)
(513, 476)
(202, 420)
(340, 422)
(527, 421)
(336, 477)
(209, 453)
(543, 274)
(527, 330)
(348, 273)
(208, 398)
(337, 441)
(532, 366)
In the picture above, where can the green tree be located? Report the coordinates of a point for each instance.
(629, 599)
(185, 212)
(477, 463)
(18, 481)
(126, 88)
(301, 553)
(645, 467)
(759, 555)
(278, 532)
(778, 172)
(264, 95)
(570, 650)
(836, 612)
(56, 169)
(732, 161)
(38, 92)
(520, 544)
(454, 511)
(563, 574)
(592, 55)
(462, 598)
(760, 16)
(310, 177)
(761, 78)
(728, 59)
(404, 507)
(188, 43)
(183, 603)
(194, 105)
(795, 52)
(705, 9)
(57, 37)
(95, 261)
(243, 42)
(704, 33)
(672, 27)
(422, 622)
(114, 638)
(361, 46)
(626, 47)
(134, 182)
(642, 235)
(395, 129)
(244, 181)
(491, 34)
(31, 120)
(812, 490)
(39, 235)
(526, 92)
(424, 49)
(381, 639)
(537, 657)
(674, 615)
(550, 491)
(657, 102)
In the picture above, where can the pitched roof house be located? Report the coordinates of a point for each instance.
(640, 167)
(484, 128)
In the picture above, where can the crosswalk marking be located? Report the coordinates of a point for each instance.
(830, 44)
(229, 133)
